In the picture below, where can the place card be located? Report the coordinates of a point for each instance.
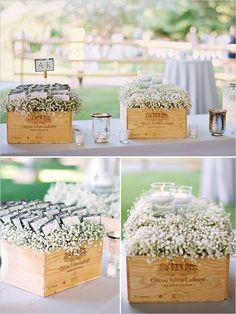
(16, 219)
(70, 220)
(7, 218)
(15, 208)
(37, 223)
(50, 226)
(4, 212)
(38, 94)
(51, 213)
(64, 97)
(25, 220)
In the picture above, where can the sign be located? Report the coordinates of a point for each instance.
(44, 65)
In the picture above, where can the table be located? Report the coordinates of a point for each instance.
(197, 78)
(204, 145)
(96, 296)
(226, 306)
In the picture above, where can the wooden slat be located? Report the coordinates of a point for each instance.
(178, 280)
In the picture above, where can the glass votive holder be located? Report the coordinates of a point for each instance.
(162, 196)
(193, 131)
(113, 255)
(183, 197)
(101, 127)
(124, 136)
(217, 121)
(78, 137)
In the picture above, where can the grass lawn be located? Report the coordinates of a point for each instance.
(95, 99)
(132, 184)
(13, 192)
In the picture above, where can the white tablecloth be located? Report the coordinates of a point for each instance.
(204, 145)
(96, 296)
(196, 77)
(218, 179)
(227, 306)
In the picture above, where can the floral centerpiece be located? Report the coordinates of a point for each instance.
(31, 98)
(202, 231)
(150, 108)
(106, 204)
(57, 228)
(40, 113)
(151, 94)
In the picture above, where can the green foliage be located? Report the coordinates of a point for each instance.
(168, 18)
(175, 18)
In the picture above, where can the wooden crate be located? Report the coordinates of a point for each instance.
(47, 273)
(37, 127)
(178, 280)
(156, 123)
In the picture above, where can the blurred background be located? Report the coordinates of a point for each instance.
(209, 177)
(99, 45)
(30, 178)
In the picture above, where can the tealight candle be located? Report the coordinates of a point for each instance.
(162, 196)
(183, 196)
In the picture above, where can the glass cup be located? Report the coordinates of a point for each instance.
(217, 121)
(101, 127)
(162, 196)
(78, 137)
(193, 131)
(124, 136)
(113, 256)
(183, 197)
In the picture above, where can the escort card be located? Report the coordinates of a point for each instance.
(37, 223)
(50, 226)
(70, 220)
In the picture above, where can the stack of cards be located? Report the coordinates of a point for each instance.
(45, 217)
(59, 91)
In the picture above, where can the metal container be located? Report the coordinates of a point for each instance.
(217, 121)
(101, 127)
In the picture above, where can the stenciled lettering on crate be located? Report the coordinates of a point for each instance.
(178, 280)
(156, 123)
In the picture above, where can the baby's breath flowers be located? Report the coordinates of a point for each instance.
(50, 104)
(106, 204)
(202, 231)
(69, 238)
(139, 94)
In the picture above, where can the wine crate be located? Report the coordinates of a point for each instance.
(39, 127)
(156, 123)
(177, 280)
(47, 273)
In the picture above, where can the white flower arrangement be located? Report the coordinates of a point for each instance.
(105, 204)
(141, 94)
(69, 238)
(50, 104)
(202, 231)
